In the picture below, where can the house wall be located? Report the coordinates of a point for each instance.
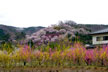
(94, 41)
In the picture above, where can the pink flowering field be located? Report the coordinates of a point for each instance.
(62, 56)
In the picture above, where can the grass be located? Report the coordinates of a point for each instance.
(51, 69)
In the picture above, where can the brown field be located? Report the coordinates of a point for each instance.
(57, 69)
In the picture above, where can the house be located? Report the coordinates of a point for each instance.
(100, 37)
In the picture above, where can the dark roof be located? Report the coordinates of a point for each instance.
(103, 31)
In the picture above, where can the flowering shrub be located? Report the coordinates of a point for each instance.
(77, 54)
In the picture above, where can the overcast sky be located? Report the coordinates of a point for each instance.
(25, 13)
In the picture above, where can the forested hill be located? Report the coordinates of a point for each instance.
(11, 32)
(94, 27)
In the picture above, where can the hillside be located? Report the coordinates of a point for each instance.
(16, 32)
(94, 27)
(64, 30)
(31, 30)
(10, 30)
(91, 27)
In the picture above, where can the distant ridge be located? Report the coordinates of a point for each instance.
(11, 30)
(93, 27)
(16, 32)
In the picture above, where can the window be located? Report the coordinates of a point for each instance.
(98, 39)
(105, 38)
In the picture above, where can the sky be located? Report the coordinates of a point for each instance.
(25, 13)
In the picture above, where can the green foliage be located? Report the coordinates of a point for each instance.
(53, 45)
(86, 39)
(4, 36)
(7, 46)
(20, 36)
(31, 44)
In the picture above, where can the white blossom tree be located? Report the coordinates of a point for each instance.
(56, 32)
